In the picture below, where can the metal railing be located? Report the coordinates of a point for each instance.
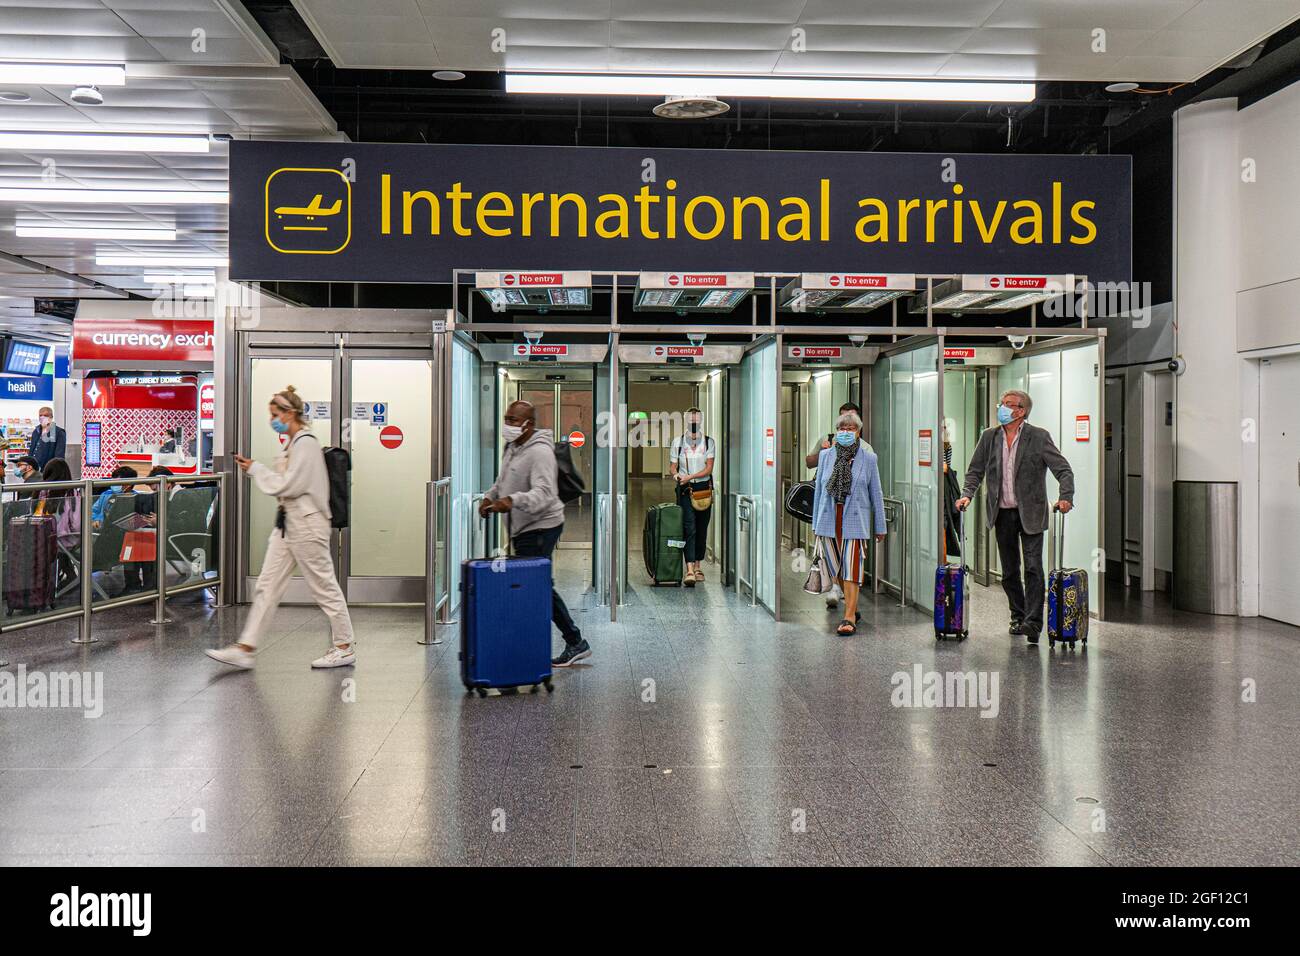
(899, 507)
(437, 557)
(79, 553)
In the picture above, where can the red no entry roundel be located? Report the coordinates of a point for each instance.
(390, 436)
(577, 439)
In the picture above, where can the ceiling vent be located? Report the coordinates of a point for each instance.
(690, 107)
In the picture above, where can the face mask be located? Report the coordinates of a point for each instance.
(45, 419)
(278, 426)
(1004, 415)
(511, 432)
(845, 438)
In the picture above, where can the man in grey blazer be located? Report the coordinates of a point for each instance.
(1014, 456)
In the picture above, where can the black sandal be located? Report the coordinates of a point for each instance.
(839, 629)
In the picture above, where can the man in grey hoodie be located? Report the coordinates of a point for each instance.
(525, 491)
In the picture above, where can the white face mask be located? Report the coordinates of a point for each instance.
(45, 419)
(511, 432)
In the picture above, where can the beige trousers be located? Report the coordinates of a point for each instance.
(305, 544)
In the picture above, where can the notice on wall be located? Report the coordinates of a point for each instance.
(1082, 428)
(925, 447)
(361, 410)
(318, 411)
(378, 413)
(769, 447)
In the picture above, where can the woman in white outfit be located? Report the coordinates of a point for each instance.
(301, 537)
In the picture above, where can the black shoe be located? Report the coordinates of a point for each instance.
(1030, 636)
(1017, 627)
(572, 654)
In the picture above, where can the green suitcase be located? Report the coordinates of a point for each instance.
(663, 543)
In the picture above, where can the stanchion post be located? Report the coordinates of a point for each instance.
(430, 565)
(84, 635)
(223, 490)
(160, 552)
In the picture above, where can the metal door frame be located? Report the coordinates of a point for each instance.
(340, 348)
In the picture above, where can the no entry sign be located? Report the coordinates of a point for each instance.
(577, 439)
(390, 436)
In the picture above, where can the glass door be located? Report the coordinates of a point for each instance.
(389, 435)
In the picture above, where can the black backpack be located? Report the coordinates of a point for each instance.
(338, 463)
(568, 483)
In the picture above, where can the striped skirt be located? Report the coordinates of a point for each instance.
(844, 559)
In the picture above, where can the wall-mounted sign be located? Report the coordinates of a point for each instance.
(207, 405)
(769, 447)
(415, 212)
(577, 439)
(528, 351)
(678, 351)
(806, 352)
(390, 436)
(1082, 428)
(379, 413)
(958, 353)
(925, 447)
(128, 342)
(27, 388)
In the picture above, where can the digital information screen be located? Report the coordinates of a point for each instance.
(26, 358)
(92, 444)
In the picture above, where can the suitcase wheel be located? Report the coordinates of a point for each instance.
(550, 688)
(533, 689)
(482, 691)
(509, 691)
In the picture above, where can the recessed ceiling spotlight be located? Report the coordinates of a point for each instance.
(448, 75)
(15, 96)
(1121, 87)
(87, 96)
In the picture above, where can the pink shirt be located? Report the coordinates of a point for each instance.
(1007, 493)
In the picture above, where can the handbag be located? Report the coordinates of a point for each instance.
(817, 582)
(701, 492)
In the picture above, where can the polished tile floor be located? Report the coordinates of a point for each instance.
(701, 733)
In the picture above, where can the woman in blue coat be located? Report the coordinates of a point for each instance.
(848, 509)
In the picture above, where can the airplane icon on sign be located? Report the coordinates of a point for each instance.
(311, 211)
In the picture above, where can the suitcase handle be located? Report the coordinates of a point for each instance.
(1058, 548)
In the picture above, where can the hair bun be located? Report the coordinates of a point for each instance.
(290, 390)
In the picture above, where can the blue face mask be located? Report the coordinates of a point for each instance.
(278, 426)
(1004, 415)
(845, 438)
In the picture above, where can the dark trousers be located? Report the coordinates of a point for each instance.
(695, 526)
(1025, 598)
(541, 544)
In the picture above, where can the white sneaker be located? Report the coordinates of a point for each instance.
(336, 658)
(234, 655)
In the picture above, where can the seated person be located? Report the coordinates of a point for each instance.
(100, 507)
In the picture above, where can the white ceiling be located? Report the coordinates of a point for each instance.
(234, 86)
(1146, 40)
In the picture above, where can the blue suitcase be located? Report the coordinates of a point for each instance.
(505, 624)
(1067, 597)
(951, 595)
